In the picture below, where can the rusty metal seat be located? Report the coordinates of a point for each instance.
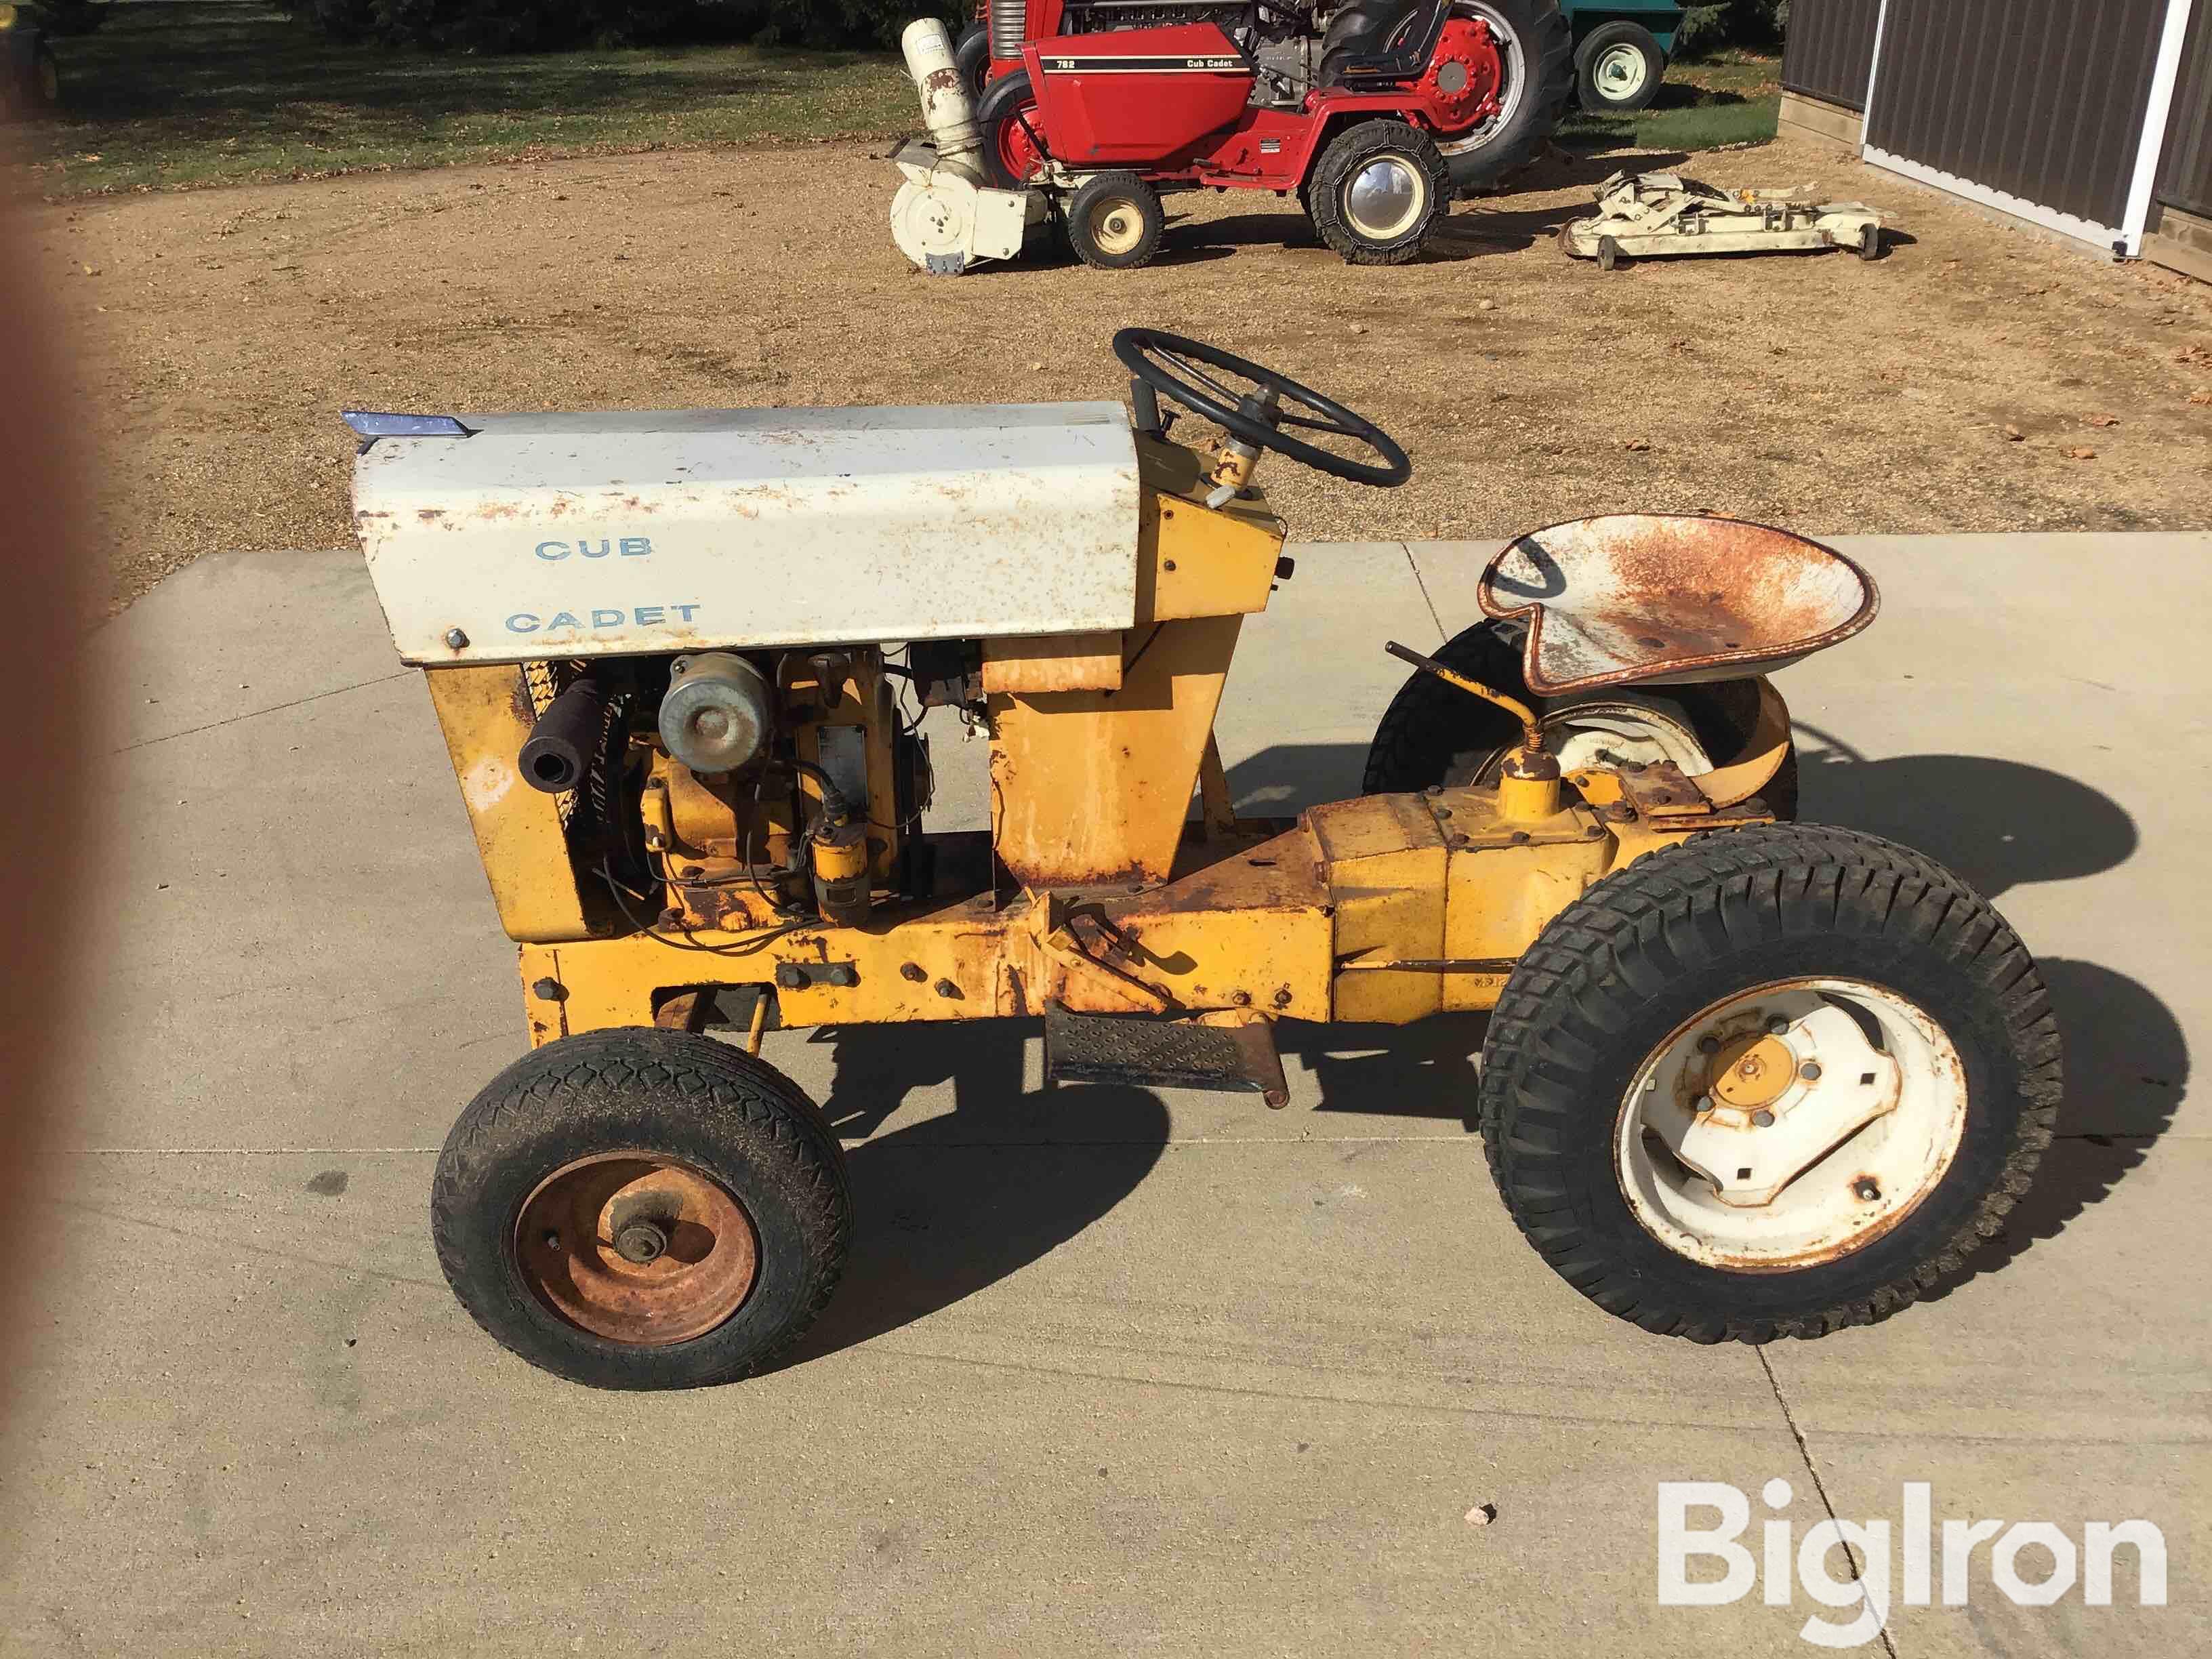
(1661, 598)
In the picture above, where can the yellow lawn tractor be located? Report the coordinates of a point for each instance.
(1742, 1078)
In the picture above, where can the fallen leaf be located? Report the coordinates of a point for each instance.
(2192, 354)
(2082, 452)
(2101, 420)
(2200, 398)
(1636, 444)
(2013, 434)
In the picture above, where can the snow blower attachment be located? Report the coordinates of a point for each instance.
(945, 218)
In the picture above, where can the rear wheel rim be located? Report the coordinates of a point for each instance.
(1790, 1125)
(1116, 225)
(1019, 157)
(1620, 73)
(1513, 77)
(1385, 197)
(636, 1248)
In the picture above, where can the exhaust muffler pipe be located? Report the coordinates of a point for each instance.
(558, 755)
(946, 112)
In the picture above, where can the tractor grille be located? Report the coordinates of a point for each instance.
(1009, 23)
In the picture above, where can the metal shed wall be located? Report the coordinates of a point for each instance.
(1829, 53)
(2184, 178)
(1976, 91)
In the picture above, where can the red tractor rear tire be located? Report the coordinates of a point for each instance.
(1538, 48)
(1008, 118)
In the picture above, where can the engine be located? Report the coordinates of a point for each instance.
(726, 789)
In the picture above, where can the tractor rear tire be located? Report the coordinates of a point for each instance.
(714, 1160)
(1622, 1182)
(1434, 734)
(999, 114)
(1542, 54)
(1377, 191)
(1618, 68)
(1115, 221)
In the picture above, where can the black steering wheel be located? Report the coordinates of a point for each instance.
(1257, 416)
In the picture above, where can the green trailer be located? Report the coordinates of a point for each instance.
(1621, 49)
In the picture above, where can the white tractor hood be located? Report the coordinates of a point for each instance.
(532, 536)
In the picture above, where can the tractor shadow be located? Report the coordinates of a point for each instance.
(948, 1206)
(2001, 825)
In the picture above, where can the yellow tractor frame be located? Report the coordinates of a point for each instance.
(1386, 908)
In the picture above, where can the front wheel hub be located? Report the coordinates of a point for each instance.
(637, 1248)
(641, 1242)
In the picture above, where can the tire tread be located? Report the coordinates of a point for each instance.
(1577, 985)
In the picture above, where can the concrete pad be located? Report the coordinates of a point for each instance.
(1090, 1399)
(2062, 1380)
(1300, 1344)
(1312, 677)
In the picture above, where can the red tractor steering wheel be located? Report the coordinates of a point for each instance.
(1257, 416)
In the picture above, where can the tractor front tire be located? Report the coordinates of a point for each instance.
(1649, 1057)
(1115, 221)
(642, 1209)
(1377, 191)
(1434, 734)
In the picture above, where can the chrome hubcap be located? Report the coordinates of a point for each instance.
(1385, 197)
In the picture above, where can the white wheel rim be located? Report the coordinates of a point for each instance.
(1116, 226)
(1511, 60)
(1771, 1133)
(1620, 72)
(1385, 197)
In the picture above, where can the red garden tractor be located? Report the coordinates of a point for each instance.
(1376, 114)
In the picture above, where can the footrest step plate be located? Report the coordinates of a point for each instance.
(1163, 1054)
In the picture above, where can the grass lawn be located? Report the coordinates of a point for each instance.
(201, 92)
(1730, 98)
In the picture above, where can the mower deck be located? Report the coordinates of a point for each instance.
(1646, 216)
